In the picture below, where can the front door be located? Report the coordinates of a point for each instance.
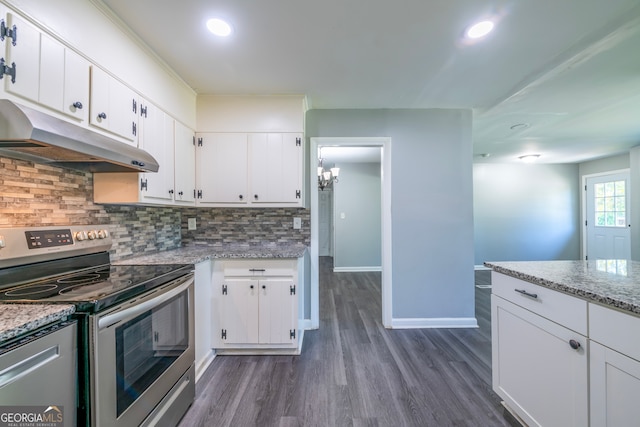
(607, 217)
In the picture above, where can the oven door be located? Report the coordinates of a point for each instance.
(140, 350)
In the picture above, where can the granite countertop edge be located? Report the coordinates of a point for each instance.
(602, 295)
(20, 319)
(199, 253)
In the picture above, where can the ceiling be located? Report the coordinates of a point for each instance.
(559, 78)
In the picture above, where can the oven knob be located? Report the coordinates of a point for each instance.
(81, 235)
(103, 234)
(93, 234)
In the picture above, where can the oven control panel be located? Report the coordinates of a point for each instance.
(48, 239)
(20, 245)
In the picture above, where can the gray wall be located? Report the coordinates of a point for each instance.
(526, 212)
(431, 203)
(607, 164)
(358, 236)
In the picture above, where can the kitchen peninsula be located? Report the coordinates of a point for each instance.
(564, 344)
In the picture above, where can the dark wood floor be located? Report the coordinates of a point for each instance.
(354, 372)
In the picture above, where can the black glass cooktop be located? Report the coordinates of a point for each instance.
(95, 288)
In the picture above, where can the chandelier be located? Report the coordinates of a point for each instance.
(326, 176)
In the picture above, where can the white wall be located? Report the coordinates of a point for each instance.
(358, 218)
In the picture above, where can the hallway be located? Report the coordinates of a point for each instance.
(353, 371)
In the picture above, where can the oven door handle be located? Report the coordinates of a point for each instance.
(117, 316)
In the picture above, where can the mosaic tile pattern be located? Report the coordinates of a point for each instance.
(614, 283)
(41, 195)
(252, 226)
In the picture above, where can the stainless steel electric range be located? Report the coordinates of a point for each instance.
(135, 322)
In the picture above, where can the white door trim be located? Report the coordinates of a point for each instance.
(583, 197)
(385, 144)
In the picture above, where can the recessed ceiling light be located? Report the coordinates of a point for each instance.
(479, 30)
(528, 158)
(219, 27)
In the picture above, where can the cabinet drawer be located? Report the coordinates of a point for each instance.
(566, 310)
(614, 329)
(259, 268)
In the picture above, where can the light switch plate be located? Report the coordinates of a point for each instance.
(191, 223)
(297, 223)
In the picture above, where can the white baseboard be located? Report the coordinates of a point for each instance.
(441, 322)
(356, 269)
(204, 363)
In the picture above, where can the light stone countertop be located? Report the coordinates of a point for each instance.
(18, 319)
(613, 283)
(196, 253)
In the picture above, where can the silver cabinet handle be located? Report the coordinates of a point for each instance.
(139, 308)
(529, 294)
(28, 365)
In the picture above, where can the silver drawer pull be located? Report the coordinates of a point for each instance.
(529, 294)
(257, 270)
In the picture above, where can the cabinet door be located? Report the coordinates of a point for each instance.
(615, 386)
(221, 168)
(277, 312)
(123, 109)
(113, 106)
(535, 369)
(239, 318)
(75, 101)
(51, 82)
(26, 56)
(156, 137)
(64, 79)
(275, 167)
(185, 162)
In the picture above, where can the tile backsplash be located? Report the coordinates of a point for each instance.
(41, 195)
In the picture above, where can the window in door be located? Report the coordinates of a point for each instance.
(610, 204)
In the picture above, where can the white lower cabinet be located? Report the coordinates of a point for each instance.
(560, 361)
(540, 367)
(615, 387)
(256, 307)
(614, 367)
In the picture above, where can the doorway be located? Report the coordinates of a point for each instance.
(606, 214)
(385, 145)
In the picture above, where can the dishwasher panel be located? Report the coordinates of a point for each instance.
(38, 376)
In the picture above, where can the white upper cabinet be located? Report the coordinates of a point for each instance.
(221, 169)
(275, 167)
(249, 169)
(185, 161)
(44, 71)
(114, 106)
(75, 98)
(156, 138)
(172, 145)
(23, 56)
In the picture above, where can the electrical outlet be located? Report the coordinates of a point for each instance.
(297, 223)
(191, 223)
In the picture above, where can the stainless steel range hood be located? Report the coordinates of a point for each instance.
(38, 137)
